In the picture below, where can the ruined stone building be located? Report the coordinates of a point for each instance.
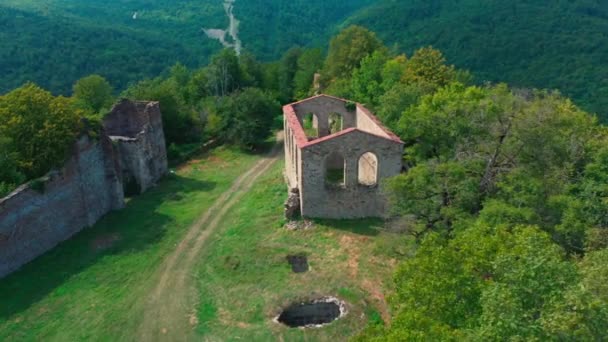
(128, 153)
(336, 154)
(137, 129)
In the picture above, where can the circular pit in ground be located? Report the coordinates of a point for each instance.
(315, 313)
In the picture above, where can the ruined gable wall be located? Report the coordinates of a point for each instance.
(75, 197)
(322, 107)
(355, 200)
(125, 119)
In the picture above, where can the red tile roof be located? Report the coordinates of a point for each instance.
(294, 124)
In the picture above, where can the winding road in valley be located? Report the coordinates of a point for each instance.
(233, 29)
(170, 309)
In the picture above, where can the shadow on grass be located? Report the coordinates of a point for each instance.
(367, 227)
(139, 226)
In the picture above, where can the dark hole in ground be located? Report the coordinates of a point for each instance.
(306, 314)
(299, 263)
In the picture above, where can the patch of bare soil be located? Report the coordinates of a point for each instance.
(375, 291)
(351, 245)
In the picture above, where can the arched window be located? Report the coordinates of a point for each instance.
(368, 169)
(335, 170)
(310, 123)
(335, 123)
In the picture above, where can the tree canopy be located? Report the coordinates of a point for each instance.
(36, 132)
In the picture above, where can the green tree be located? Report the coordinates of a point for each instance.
(309, 63)
(582, 314)
(251, 69)
(39, 127)
(427, 67)
(10, 176)
(366, 81)
(224, 73)
(93, 92)
(526, 149)
(347, 50)
(288, 66)
(502, 286)
(244, 118)
(180, 122)
(197, 87)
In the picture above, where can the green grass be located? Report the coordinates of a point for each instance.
(80, 292)
(245, 280)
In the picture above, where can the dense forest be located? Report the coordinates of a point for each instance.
(533, 43)
(59, 41)
(505, 189)
(528, 44)
(506, 193)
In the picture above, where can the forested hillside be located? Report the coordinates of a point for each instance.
(59, 41)
(271, 27)
(527, 43)
(54, 52)
(504, 191)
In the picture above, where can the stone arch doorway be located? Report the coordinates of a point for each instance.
(368, 169)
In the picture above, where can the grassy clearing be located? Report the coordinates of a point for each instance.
(85, 288)
(91, 287)
(244, 278)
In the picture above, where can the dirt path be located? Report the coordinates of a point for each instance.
(170, 310)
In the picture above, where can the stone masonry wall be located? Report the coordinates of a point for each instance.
(322, 108)
(137, 129)
(365, 150)
(354, 200)
(366, 123)
(32, 221)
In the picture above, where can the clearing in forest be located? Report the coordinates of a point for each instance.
(201, 257)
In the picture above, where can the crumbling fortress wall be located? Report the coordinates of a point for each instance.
(39, 215)
(336, 164)
(137, 129)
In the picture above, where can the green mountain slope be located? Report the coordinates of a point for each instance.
(271, 27)
(55, 42)
(560, 44)
(56, 52)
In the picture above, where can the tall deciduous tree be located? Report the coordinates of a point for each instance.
(93, 92)
(366, 81)
(428, 67)
(224, 73)
(180, 124)
(288, 67)
(10, 176)
(347, 50)
(41, 128)
(245, 117)
(309, 63)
